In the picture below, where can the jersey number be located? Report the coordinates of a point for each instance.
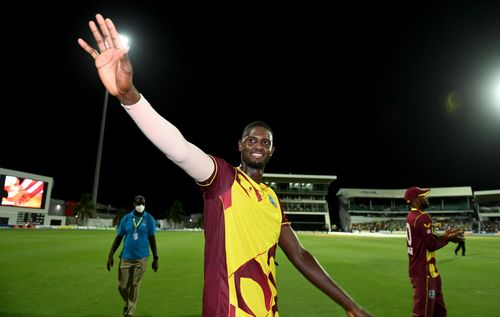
(408, 238)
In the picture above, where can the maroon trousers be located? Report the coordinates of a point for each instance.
(428, 300)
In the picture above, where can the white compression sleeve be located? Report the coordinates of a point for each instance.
(170, 141)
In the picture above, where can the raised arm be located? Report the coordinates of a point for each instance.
(115, 72)
(312, 270)
(170, 141)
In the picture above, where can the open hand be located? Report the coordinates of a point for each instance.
(454, 235)
(111, 60)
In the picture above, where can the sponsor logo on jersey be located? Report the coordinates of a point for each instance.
(273, 202)
(432, 294)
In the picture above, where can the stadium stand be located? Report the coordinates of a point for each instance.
(487, 204)
(385, 209)
(304, 201)
(303, 198)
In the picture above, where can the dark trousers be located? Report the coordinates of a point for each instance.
(460, 246)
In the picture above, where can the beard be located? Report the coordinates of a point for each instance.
(256, 165)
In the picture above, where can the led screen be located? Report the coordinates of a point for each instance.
(22, 192)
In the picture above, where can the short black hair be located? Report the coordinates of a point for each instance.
(254, 124)
(139, 200)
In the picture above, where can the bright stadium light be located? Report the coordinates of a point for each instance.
(124, 40)
(491, 92)
(496, 94)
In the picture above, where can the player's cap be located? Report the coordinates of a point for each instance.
(139, 200)
(414, 192)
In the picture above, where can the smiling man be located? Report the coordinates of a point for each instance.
(244, 221)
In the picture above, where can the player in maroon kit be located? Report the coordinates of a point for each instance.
(422, 242)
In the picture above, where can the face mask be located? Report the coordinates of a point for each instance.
(139, 208)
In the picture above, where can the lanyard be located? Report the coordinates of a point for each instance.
(136, 224)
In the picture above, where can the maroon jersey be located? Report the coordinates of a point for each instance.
(243, 221)
(421, 242)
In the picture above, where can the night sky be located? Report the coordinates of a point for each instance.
(382, 96)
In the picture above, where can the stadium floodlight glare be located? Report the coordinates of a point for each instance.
(496, 95)
(125, 44)
(491, 92)
(124, 40)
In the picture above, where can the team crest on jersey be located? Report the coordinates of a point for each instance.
(273, 202)
(432, 294)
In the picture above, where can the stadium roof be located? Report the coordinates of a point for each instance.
(398, 193)
(483, 195)
(293, 178)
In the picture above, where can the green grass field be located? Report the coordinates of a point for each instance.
(47, 273)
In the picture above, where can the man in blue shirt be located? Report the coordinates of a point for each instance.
(138, 228)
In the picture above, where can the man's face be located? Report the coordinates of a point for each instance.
(424, 201)
(139, 201)
(256, 147)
